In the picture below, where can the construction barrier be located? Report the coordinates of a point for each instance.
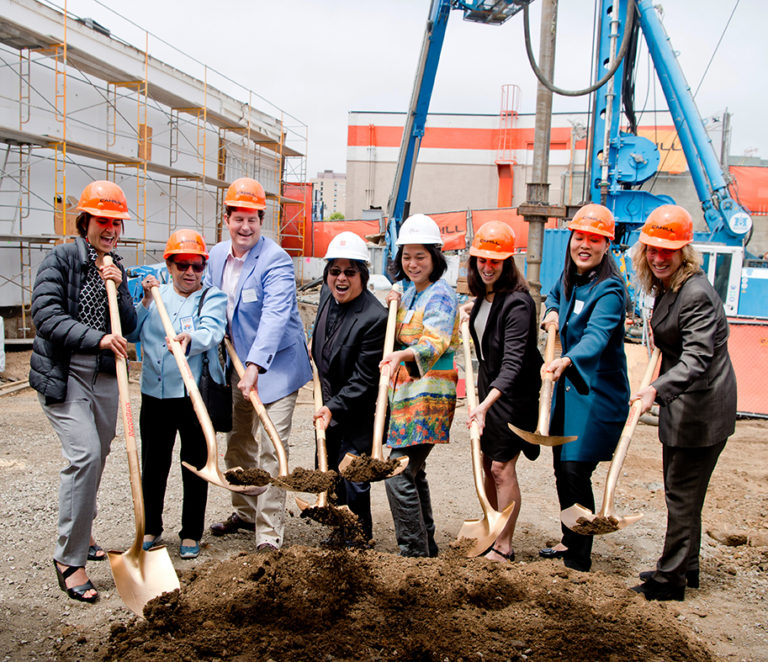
(748, 347)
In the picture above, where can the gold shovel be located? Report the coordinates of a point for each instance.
(322, 511)
(210, 471)
(139, 575)
(322, 453)
(377, 448)
(485, 530)
(541, 436)
(581, 519)
(283, 480)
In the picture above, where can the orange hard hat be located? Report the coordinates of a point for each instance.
(668, 226)
(493, 240)
(594, 219)
(247, 193)
(185, 242)
(105, 199)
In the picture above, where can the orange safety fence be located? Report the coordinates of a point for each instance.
(452, 224)
(750, 187)
(324, 231)
(748, 347)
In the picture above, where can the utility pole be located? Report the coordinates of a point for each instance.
(536, 209)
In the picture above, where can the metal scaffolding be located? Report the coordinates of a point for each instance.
(173, 142)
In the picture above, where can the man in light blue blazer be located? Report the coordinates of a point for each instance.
(263, 319)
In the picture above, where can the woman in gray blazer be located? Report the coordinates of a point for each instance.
(696, 389)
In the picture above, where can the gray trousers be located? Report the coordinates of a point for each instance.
(410, 503)
(249, 446)
(686, 477)
(85, 425)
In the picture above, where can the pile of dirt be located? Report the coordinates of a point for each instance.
(310, 604)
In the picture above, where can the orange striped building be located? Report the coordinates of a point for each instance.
(483, 161)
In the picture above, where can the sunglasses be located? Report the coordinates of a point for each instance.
(198, 268)
(349, 273)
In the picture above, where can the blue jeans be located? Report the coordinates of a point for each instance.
(411, 507)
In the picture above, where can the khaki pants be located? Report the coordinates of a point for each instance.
(249, 446)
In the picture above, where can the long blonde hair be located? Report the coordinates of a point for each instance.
(646, 281)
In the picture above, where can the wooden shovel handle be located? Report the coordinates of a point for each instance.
(317, 392)
(626, 436)
(186, 374)
(474, 428)
(261, 411)
(547, 384)
(121, 368)
(377, 450)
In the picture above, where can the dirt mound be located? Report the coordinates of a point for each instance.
(309, 604)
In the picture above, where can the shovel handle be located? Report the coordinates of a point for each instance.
(121, 368)
(474, 428)
(377, 447)
(626, 436)
(186, 375)
(261, 411)
(547, 384)
(317, 392)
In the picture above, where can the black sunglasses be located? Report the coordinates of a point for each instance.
(349, 273)
(197, 268)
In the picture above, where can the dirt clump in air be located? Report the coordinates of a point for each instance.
(597, 526)
(364, 468)
(255, 476)
(307, 603)
(307, 480)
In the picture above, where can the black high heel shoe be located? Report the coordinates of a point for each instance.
(75, 592)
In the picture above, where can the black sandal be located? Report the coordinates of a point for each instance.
(93, 553)
(75, 592)
(509, 557)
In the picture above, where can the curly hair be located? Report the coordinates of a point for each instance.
(646, 281)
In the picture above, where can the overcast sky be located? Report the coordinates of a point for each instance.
(319, 59)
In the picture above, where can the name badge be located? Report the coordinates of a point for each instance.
(187, 324)
(408, 316)
(578, 306)
(249, 296)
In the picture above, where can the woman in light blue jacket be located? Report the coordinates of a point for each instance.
(199, 317)
(591, 399)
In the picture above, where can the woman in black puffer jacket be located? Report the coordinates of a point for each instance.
(73, 370)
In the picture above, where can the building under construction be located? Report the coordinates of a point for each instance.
(80, 104)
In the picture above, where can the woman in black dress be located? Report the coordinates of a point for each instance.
(503, 326)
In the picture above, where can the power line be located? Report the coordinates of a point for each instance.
(728, 22)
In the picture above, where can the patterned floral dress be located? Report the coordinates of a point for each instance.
(422, 394)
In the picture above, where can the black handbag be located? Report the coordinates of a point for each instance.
(216, 397)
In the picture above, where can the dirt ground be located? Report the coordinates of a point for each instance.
(307, 602)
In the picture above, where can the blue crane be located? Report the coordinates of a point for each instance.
(482, 11)
(620, 160)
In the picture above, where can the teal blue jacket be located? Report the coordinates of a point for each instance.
(591, 398)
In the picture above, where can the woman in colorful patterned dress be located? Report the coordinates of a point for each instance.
(423, 389)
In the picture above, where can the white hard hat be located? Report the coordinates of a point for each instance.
(347, 245)
(419, 229)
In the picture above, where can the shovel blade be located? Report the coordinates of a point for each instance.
(540, 439)
(485, 530)
(143, 576)
(215, 477)
(582, 520)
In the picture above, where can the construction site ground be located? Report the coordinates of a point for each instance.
(308, 602)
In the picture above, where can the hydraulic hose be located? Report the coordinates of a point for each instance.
(587, 90)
